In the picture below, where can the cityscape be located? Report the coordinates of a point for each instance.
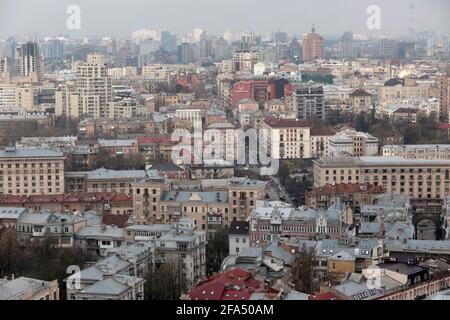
(187, 153)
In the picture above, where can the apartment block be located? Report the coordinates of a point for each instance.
(289, 139)
(31, 171)
(416, 177)
(418, 151)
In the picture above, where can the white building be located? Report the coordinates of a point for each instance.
(289, 139)
(259, 69)
(187, 246)
(418, 151)
(350, 142)
(112, 278)
(238, 237)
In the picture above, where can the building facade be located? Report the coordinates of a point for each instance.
(31, 171)
(418, 178)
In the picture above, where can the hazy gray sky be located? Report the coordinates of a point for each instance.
(121, 17)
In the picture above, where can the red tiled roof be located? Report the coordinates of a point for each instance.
(118, 220)
(322, 131)
(346, 188)
(66, 198)
(235, 284)
(152, 140)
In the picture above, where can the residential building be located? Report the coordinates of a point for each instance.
(119, 147)
(238, 237)
(309, 102)
(119, 181)
(24, 288)
(418, 151)
(112, 278)
(288, 139)
(90, 94)
(443, 95)
(360, 101)
(101, 202)
(405, 115)
(402, 89)
(244, 61)
(10, 215)
(313, 46)
(29, 61)
(187, 246)
(99, 239)
(274, 219)
(59, 228)
(320, 141)
(31, 171)
(416, 177)
(353, 195)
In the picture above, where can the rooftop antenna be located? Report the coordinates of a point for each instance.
(313, 29)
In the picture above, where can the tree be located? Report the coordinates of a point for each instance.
(302, 270)
(216, 250)
(106, 160)
(166, 281)
(362, 122)
(9, 251)
(40, 259)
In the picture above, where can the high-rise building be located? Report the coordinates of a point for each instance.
(9, 48)
(280, 36)
(28, 61)
(53, 49)
(185, 53)
(94, 87)
(244, 61)
(406, 49)
(345, 46)
(313, 46)
(168, 41)
(205, 48)
(147, 47)
(5, 69)
(31, 171)
(90, 94)
(222, 49)
(443, 95)
(309, 102)
(389, 48)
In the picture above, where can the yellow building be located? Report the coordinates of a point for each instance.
(31, 171)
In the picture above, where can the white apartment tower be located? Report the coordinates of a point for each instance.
(91, 93)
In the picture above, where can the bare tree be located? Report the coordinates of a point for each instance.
(302, 270)
(166, 281)
(9, 251)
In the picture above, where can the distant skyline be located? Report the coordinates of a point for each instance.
(121, 18)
